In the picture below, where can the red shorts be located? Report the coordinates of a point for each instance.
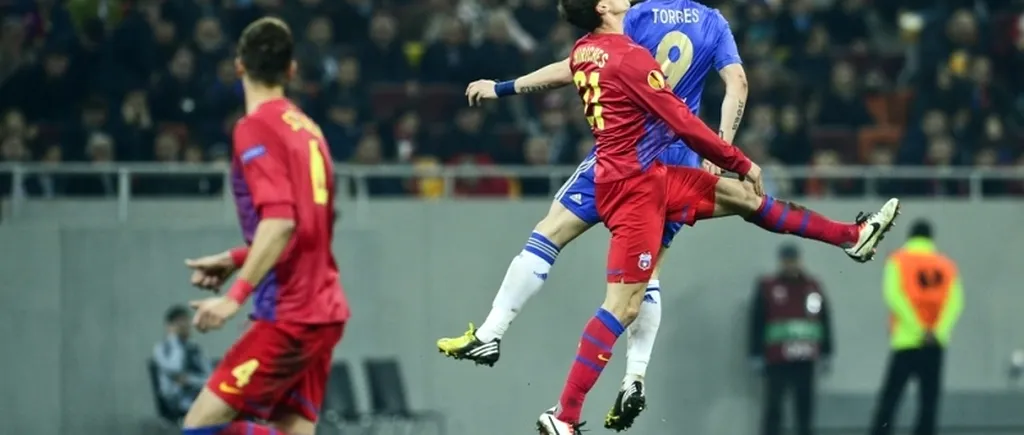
(690, 193)
(634, 210)
(276, 369)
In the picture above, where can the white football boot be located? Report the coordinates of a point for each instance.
(548, 424)
(872, 230)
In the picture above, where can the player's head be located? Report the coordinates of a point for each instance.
(921, 228)
(589, 15)
(789, 258)
(178, 320)
(265, 52)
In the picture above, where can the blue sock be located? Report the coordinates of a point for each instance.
(207, 430)
(543, 248)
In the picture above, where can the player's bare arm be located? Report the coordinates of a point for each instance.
(733, 104)
(272, 236)
(549, 77)
(735, 100)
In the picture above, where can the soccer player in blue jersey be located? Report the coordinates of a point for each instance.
(687, 39)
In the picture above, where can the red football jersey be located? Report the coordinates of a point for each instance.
(282, 168)
(631, 112)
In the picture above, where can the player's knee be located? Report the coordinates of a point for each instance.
(632, 310)
(624, 300)
(739, 197)
(208, 410)
(560, 226)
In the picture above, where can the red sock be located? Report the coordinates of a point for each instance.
(592, 355)
(249, 428)
(784, 217)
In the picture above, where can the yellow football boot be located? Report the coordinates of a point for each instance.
(467, 346)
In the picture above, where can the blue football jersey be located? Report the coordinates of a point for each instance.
(686, 38)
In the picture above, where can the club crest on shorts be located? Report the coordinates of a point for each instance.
(645, 261)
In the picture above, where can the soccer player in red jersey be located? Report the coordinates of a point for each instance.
(283, 183)
(634, 117)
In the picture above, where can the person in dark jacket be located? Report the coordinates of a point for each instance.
(790, 340)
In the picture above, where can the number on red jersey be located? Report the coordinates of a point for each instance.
(317, 164)
(590, 85)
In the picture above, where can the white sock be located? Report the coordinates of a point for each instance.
(641, 334)
(524, 278)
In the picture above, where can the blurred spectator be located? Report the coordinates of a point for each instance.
(210, 47)
(555, 125)
(882, 159)
(843, 103)
(406, 136)
(488, 184)
(46, 185)
(178, 91)
(181, 367)
(222, 95)
(15, 125)
(450, 59)
(467, 138)
(94, 117)
(812, 60)
(557, 45)
(537, 17)
(790, 340)
(537, 153)
(791, 144)
(318, 57)
(848, 22)
(369, 152)
(823, 160)
(496, 57)
(347, 86)
(99, 150)
(342, 129)
(165, 36)
(34, 88)
(383, 58)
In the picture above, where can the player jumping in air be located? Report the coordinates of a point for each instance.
(688, 39)
(283, 182)
(622, 86)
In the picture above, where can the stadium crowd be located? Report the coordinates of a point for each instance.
(885, 83)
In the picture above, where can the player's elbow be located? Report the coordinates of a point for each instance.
(735, 80)
(564, 72)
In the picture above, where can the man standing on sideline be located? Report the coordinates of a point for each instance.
(925, 297)
(790, 336)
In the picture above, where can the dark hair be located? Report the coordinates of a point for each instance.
(921, 228)
(265, 50)
(176, 313)
(789, 251)
(580, 13)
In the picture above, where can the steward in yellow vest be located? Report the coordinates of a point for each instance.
(924, 294)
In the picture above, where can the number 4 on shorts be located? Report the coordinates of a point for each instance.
(243, 374)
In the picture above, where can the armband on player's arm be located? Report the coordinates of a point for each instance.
(549, 77)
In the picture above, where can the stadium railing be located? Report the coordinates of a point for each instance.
(352, 179)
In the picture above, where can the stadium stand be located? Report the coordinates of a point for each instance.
(844, 82)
